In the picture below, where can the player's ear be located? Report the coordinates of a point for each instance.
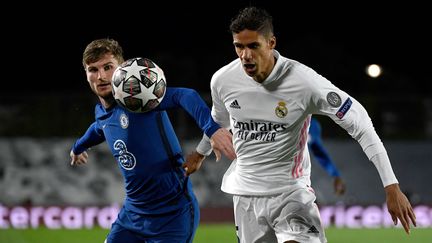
(272, 42)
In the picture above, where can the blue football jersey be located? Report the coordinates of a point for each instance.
(147, 150)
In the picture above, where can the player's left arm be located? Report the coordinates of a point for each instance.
(193, 162)
(359, 125)
(195, 106)
(347, 112)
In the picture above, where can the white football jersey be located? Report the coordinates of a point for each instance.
(270, 122)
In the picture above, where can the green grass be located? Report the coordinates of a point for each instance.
(216, 233)
(380, 235)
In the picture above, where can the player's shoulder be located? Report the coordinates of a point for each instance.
(307, 76)
(101, 111)
(297, 71)
(300, 69)
(98, 109)
(227, 71)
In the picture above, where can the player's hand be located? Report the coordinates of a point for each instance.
(193, 162)
(78, 159)
(399, 207)
(339, 186)
(221, 142)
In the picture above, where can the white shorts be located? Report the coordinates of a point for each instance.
(278, 218)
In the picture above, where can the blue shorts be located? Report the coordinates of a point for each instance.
(178, 226)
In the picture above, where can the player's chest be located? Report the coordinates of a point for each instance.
(122, 125)
(259, 105)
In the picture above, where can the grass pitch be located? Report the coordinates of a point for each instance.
(216, 233)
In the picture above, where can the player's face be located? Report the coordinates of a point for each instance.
(256, 53)
(99, 75)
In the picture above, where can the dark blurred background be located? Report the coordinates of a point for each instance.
(45, 93)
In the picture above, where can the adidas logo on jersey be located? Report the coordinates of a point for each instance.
(235, 105)
(313, 230)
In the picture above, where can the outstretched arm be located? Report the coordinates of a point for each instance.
(190, 101)
(92, 137)
(195, 159)
(397, 203)
(363, 131)
(399, 207)
(195, 106)
(348, 113)
(193, 162)
(78, 159)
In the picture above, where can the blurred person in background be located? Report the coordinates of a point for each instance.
(160, 205)
(267, 101)
(323, 157)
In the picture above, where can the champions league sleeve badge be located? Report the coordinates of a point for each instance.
(334, 99)
(344, 109)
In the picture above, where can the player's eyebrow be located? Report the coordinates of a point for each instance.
(252, 45)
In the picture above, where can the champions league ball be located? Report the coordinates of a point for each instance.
(138, 85)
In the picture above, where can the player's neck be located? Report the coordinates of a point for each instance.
(107, 102)
(267, 70)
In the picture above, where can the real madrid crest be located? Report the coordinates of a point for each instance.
(281, 109)
(124, 121)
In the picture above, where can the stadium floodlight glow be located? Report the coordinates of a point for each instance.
(373, 70)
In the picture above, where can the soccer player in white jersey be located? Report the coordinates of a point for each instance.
(267, 101)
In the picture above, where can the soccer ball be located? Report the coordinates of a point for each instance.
(138, 85)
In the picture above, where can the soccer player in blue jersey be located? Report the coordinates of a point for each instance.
(322, 156)
(160, 205)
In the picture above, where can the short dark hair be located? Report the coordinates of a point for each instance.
(98, 48)
(253, 18)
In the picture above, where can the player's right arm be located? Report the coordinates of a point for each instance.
(93, 136)
(193, 162)
(78, 159)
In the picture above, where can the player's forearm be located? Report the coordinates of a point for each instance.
(204, 147)
(361, 128)
(376, 152)
(194, 105)
(91, 138)
(385, 170)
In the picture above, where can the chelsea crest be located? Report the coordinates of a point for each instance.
(124, 121)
